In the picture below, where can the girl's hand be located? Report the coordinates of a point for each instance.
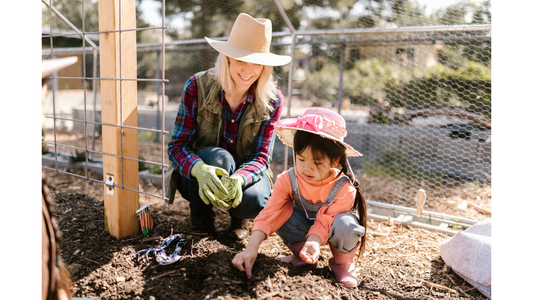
(244, 261)
(310, 251)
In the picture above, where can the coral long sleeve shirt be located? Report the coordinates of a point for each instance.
(279, 207)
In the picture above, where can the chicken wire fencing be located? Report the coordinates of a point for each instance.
(414, 87)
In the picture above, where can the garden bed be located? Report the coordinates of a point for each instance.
(400, 262)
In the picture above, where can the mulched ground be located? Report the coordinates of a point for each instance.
(400, 262)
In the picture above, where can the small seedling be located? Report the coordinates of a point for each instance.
(142, 165)
(456, 226)
(154, 170)
(78, 156)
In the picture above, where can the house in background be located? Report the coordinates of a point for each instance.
(407, 54)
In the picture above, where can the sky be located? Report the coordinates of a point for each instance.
(150, 9)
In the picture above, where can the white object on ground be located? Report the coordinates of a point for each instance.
(468, 253)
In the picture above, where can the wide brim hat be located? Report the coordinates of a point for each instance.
(317, 120)
(50, 66)
(249, 41)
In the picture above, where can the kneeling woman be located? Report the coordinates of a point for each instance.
(225, 128)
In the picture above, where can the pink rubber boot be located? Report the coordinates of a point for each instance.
(295, 259)
(343, 267)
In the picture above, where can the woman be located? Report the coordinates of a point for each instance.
(224, 128)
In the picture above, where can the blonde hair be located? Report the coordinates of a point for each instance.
(265, 86)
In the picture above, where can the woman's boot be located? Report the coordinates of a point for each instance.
(295, 259)
(343, 266)
(239, 228)
(204, 224)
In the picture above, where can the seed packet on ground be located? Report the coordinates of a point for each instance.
(145, 219)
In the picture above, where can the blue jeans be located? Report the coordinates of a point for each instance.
(344, 233)
(254, 196)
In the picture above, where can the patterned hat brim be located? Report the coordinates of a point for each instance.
(286, 136)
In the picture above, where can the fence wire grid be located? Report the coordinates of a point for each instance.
(414, 86)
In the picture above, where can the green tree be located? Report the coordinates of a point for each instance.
(454, 14)
(466, 88)
(407, 13)
(74, 12)
(459, 13)
(365, 84)
(379, 13)
(83, 14)
(210, 19)
(482, 14)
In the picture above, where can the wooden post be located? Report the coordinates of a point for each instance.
(119, 100)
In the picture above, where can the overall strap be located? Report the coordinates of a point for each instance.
(303, 206)
(294, 183)
(336, 188)
(308, 208)
(332, 193)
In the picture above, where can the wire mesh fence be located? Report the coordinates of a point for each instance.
(414, 87)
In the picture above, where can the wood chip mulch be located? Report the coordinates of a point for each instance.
(400, 261)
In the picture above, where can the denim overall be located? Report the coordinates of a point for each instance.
(345, 230)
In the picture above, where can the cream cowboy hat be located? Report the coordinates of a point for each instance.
(49, 66)
(317, 120)
(249, 41)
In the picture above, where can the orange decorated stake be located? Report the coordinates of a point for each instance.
(145, 219)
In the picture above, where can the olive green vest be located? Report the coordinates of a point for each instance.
(208, 121)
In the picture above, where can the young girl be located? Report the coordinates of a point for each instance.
(312, 203)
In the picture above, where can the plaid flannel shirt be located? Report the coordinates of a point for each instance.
(182, 155)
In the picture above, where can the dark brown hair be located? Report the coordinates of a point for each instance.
(324, 147)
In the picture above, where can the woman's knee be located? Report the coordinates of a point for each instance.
(251, 205)
(254, 200)
(247, 209)
(218, 157)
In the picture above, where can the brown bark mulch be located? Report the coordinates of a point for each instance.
(401, 262)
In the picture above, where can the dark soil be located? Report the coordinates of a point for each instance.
(400, 262)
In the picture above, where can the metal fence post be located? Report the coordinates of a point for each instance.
(340, 92)
(291, 68)
(158, 76)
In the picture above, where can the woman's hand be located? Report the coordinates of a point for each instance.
(209, 184)
(233, 185)
(311, 249)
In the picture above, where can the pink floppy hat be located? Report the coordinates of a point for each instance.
(317, 120)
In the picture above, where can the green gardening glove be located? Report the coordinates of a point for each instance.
(233, 185)
(210, 188)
